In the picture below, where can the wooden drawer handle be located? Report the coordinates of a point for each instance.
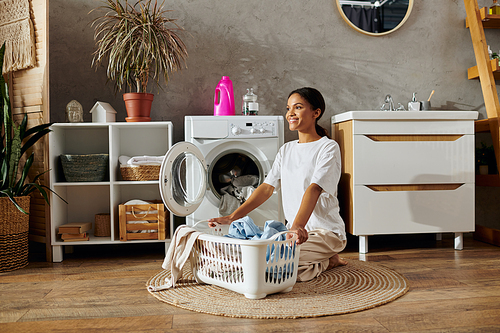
(418, 137)
(415, 187)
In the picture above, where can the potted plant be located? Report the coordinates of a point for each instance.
(15, 189)
(140, 43)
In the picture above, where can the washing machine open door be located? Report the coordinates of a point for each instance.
(183, 178)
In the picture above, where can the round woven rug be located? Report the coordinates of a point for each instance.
(355, 287)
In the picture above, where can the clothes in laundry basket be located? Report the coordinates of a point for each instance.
(245, 228)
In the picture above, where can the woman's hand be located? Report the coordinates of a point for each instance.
(212, 223)
(301, 233)
(257, 198)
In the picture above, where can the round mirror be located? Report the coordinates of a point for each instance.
(375, 18)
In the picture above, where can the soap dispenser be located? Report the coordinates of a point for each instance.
(495, 8)
(413, 105)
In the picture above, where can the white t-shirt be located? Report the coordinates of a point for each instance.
(298, 165)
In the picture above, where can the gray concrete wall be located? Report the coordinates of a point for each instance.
(276, 46)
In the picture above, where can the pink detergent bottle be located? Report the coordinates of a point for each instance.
(224, 98)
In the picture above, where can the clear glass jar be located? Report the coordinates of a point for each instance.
(248, 98)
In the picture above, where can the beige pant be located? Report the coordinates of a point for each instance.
(316, 251)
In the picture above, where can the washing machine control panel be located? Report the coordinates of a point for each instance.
(241, 128)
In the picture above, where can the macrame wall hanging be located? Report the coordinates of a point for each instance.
(16, 30)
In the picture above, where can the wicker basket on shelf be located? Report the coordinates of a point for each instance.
(140, 172)
(85, 168)
(102, 226)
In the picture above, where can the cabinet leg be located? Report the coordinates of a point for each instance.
(363, 244)
(439, 236)
(459, 241)
(57, 253)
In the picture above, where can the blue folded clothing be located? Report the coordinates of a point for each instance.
(245, 228)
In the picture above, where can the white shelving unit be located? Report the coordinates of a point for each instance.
(85, 199)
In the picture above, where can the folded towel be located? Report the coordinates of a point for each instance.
(146, 160)
(140, 160)
(123, 159)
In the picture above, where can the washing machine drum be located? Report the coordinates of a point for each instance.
(183, 178)
(230, 165)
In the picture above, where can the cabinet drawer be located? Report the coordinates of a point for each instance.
(426, 211)
(413, 127)
(413, 162)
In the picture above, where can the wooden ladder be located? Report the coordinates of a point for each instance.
(477, 21)
(486, 71)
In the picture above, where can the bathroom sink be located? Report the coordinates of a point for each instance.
(404, 115)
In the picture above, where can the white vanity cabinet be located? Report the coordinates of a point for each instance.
(406, 172)
(86, 199)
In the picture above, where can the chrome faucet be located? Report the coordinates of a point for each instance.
(388, 100)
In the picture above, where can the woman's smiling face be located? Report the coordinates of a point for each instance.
(300, 115)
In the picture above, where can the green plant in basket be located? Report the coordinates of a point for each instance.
(15, 141)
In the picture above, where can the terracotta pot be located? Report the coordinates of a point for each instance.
(14, 227)
(138, 106)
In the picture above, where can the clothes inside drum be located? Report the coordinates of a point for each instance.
(234, 177)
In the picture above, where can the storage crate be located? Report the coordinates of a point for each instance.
(254, 268)
(146, 212)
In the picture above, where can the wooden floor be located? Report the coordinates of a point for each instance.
(102, 288)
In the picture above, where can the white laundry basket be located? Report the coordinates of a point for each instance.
(254, 268)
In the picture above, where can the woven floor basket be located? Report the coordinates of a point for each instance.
(14, 226)
(140, 172)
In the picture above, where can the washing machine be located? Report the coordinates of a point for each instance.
(218, 149)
